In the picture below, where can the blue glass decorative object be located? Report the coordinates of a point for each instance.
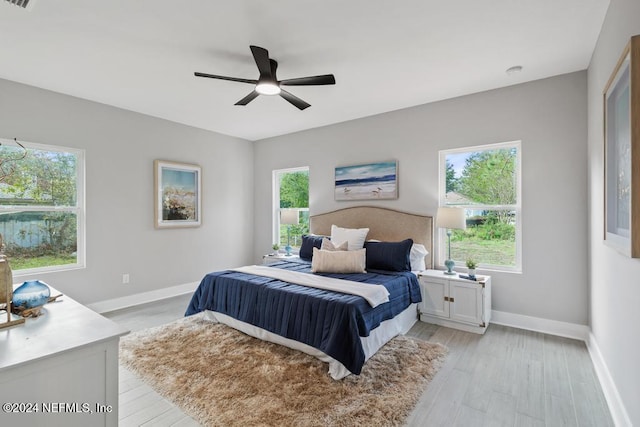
(32, 293)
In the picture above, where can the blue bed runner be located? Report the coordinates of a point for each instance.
(329, 321)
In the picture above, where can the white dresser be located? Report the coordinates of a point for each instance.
(60, 369)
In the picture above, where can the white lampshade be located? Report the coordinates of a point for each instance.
(289, 216)
(451, 218)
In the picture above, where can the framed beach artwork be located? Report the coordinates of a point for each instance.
(370, 181)
(622, 153)
(177, 194)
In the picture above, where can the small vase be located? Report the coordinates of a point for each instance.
(33, 293)
(472, 273)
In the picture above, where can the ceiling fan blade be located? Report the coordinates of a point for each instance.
(261, 56)
(233, 79)
(294, 99)
(326, 79)
(247, 99)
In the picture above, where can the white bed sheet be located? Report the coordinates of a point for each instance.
(378, 337)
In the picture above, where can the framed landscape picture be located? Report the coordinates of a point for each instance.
(370, 181)
(177, 194)
(622, 153)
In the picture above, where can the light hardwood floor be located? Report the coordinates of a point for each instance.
(507, 377)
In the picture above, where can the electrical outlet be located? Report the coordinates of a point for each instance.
(125, 278)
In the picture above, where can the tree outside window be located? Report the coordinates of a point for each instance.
(40, 206)
(485, 181)
(292, 192)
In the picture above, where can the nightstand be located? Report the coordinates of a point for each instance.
(455, 302)
(271, 258)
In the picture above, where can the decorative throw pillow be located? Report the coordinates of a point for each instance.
(389, 256)
(327, 245)
(355, 236)
(308, 243)
(338, 261)
(417, 254)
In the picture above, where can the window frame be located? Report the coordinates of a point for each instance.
(79, 210)
(275, 202)
(517, 207)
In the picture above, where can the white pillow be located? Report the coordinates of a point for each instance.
(416, 256)
(327, 245)
(355, 236)
(338, 261)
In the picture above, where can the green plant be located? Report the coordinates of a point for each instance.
(275, 246)
(471, 263)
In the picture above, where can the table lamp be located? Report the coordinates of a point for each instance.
(450, 218)
(289, 217)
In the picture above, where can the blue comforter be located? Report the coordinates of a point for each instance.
(329, 321)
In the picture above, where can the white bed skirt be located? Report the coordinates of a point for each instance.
(378, 337)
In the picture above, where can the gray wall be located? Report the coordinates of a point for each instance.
(120, 148)
(614, 279)
(548, 116)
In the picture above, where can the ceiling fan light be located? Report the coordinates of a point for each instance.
(267, 89)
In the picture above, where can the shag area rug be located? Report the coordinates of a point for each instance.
(222, 377)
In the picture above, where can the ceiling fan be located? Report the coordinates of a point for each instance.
(268, 83)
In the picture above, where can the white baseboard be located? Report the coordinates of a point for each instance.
(142, 298)
(552, 327)
(579, 332)
(616, 407)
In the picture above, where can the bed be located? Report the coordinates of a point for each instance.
(276, 304)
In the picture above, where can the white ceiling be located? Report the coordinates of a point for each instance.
(386, 55)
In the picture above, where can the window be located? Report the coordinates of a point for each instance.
(42, 207)
(485, 181)
(291, 191)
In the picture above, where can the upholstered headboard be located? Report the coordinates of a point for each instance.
(384, 224)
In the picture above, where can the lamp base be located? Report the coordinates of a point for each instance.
(450, 264)
(288, 247)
